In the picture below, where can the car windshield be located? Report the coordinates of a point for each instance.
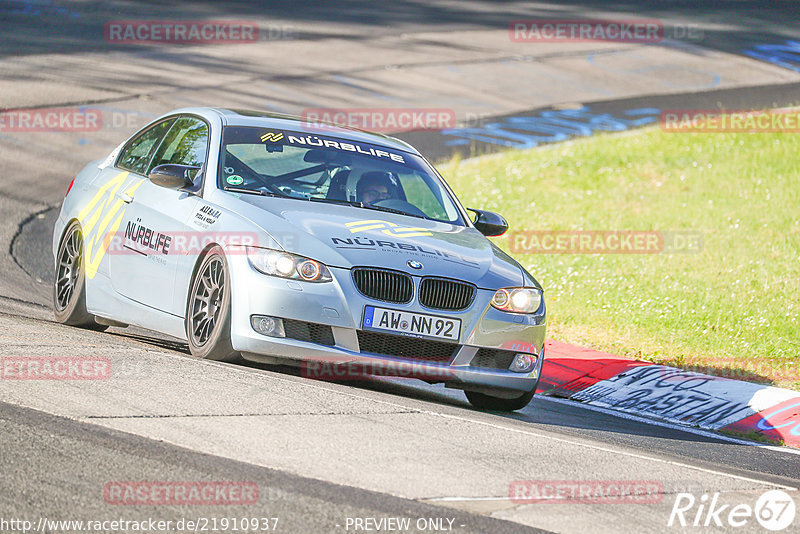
(327, 169)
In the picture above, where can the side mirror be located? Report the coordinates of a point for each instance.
(173, 176)
(489, 223)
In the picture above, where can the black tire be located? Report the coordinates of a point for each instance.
(488, 402)
(69, 283)
(208, 310)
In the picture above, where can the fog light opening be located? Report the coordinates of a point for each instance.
(523, 363)
(267, 326)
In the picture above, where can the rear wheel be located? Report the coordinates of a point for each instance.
(208, 313)
(489, 402)
(69, 286)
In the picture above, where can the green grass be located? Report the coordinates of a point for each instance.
(730, 309)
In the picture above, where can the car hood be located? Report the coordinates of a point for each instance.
(346, 236)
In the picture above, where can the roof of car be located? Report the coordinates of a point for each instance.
(238, 117)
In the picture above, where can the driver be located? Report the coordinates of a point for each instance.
(375, 186)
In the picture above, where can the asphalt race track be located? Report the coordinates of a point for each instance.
(323, 454)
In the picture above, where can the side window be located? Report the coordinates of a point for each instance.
(136, 155)
(185, 144)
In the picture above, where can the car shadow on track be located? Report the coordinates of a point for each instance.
(544, 413)
(148, 338)
(562, 417)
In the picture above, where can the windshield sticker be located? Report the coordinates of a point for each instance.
(391, 229)
(235, 179)
(312, 140)
(273, 137)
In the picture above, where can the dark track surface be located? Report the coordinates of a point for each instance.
(58, 469)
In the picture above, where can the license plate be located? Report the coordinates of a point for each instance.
(411, 324)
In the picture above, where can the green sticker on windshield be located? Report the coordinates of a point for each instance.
(235, 179)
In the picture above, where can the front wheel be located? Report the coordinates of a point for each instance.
(69, 285)
(208, 313)
(488, 402)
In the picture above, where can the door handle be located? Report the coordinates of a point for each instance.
(125, 197)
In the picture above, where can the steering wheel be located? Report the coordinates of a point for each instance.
(400, 205)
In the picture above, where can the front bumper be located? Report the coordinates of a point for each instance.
(339, 305)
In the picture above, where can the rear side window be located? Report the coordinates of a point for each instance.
(135, 157)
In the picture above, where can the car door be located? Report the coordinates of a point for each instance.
(156, 220)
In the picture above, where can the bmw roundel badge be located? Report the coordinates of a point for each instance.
(414, 264)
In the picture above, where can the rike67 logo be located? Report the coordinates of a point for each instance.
(774, 510)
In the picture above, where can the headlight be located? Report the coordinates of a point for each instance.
(285, 265)
(517, 299)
